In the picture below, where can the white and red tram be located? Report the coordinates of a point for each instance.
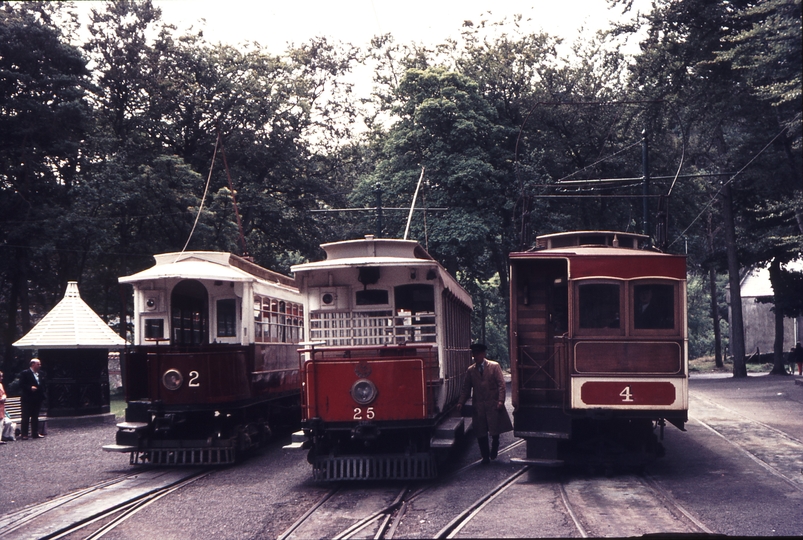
(214, 365)
(598, 342)
(389, 331)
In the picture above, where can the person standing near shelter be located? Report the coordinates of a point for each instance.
(31, 384)
(7, 431)
(798, 358)
(490, 416)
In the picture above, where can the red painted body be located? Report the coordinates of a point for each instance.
(402, 395)
(609, 394)
(402, 376)
(598, 344)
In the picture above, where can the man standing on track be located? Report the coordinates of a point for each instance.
(33, 394)
(490, 416)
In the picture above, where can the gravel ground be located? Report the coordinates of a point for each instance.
(260, 498)
(68, 458)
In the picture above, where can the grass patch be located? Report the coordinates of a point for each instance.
(706, 364)
(117, 405)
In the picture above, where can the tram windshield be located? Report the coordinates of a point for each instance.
(653, 306)
(599, 305)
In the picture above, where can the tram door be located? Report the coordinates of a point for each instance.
(189, 313)
(539, 319)
(541, 326)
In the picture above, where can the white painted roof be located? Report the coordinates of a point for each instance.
(191, 265)
(71, 324)
(757, 282)
(371, 251)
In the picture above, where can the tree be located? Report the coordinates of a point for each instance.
(447, 127)
(728, 126)
(44, 118)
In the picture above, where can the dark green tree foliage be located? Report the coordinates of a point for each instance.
(43, 119)
(727, 126)
(446, 126)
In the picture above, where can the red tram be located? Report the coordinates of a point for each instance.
(214, 365)
(389, 331)
(598, 343)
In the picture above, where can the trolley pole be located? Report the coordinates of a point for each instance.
(645, 164)
(378, 193)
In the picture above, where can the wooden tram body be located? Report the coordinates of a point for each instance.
(389, 331)
(214, 364)
(598, 341)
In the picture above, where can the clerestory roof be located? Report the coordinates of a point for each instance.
(71, 324)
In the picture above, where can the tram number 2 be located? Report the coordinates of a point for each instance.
(194, 378)
(627, 394)
(359, 414)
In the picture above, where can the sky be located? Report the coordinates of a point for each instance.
(274, 24)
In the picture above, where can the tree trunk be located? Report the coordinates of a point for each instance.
(736, 322)
(779, 366)
(712, 282)
(18, 298)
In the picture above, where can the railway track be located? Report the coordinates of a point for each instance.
(628, 505)
(473, 501)
(357, 505)
(97, 509)
(775, 451)
(625, 506)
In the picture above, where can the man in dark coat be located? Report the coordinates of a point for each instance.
(490, 416)
(33, 394)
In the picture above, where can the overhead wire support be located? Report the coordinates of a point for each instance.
(233, 197)
(379, 208)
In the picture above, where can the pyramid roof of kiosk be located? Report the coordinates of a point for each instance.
(71, 324)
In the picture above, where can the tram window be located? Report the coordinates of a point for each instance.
(226, 318)
(415, 298)
(560, 308)
(653, 306)
(599, 305)
(154, 328)
(372, 297)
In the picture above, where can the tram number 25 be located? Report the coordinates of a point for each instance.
(359, 414)
(627, 394)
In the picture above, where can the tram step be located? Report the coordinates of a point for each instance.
(297, 440)
(136, 426)
(448, 432)
(542, 434)
(541, 462)
(119, 448)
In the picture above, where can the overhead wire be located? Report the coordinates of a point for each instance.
(628, 147)
(726, 183)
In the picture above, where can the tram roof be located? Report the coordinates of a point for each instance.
(210, 265)
(613, 262)
(372, 251)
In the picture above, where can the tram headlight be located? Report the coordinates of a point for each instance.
(363, 391)
(172, 379)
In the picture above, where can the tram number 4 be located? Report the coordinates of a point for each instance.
(627, 394)
(358, 413)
